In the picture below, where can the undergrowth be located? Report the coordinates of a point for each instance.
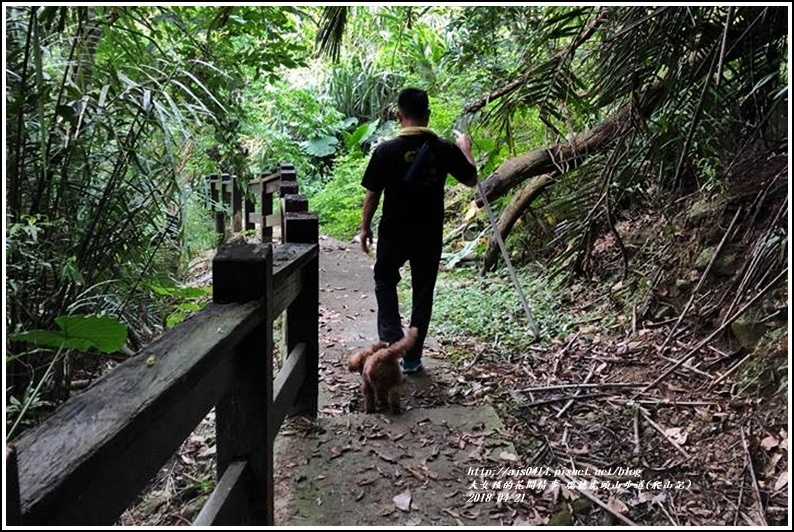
(488, 308)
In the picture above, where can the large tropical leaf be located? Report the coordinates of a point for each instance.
(81, 333)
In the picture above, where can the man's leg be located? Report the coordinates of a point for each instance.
(390, 257)
(424, 271)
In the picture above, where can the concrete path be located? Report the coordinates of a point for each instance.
(351, 468)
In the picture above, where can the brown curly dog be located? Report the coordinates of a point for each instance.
(381, 375)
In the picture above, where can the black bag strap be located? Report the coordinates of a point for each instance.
(419, 161)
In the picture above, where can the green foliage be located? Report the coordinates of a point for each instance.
(339, 203)
(359, 136)
(110, 113)
(296, 124)
(489, 308)
(182, 300)
(80, 333)
(320, 146)
(362, 89)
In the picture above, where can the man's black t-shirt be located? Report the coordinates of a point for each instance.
(415, 209)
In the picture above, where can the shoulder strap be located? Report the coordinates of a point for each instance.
(419, 160)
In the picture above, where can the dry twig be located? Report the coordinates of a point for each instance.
(730, 371)
(753, 478)
(663, 433)
(578, 392)
(574, 398)
(584, 385)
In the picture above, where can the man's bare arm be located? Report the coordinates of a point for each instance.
(371, 201)
(464, 143)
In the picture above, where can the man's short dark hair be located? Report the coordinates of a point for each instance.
(413, 103)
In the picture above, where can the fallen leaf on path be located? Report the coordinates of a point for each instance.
(450, 511)
(476, 454)
(209, 451)
(418, 474)
(782, 480)
(470, 515)
(337, 451)
(510, 457)
(769, 442)
(677, 435)
(618, 505)
(403, 501)
(397, 437)
(414, 521)
(384, 457)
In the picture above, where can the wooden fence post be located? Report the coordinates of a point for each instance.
(236, 192)
(216, 205)
(302, 320)
(289, 185)
(266, 202)
(244, 272)
(13, 510)
(249, 209)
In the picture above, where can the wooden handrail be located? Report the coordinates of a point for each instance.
(96, 452)
(90, 459)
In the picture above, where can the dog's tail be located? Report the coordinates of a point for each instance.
(356, 361)
(398, 349)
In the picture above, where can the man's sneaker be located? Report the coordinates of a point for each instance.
(411, 366)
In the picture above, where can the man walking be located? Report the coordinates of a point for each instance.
(410, 170)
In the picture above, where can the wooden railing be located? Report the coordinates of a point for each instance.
(86, 463)
(252, 203)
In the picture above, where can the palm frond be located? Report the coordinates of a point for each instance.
(332, 30)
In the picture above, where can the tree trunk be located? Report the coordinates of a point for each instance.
(560, 158)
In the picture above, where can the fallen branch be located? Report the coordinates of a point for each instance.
(689, 366)
(663, 433)
(637, 448)
(729, 372)
(672, 402)
(575, 395)
(684, 359)
(558, 399)
(583, 385)
(753, 478)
